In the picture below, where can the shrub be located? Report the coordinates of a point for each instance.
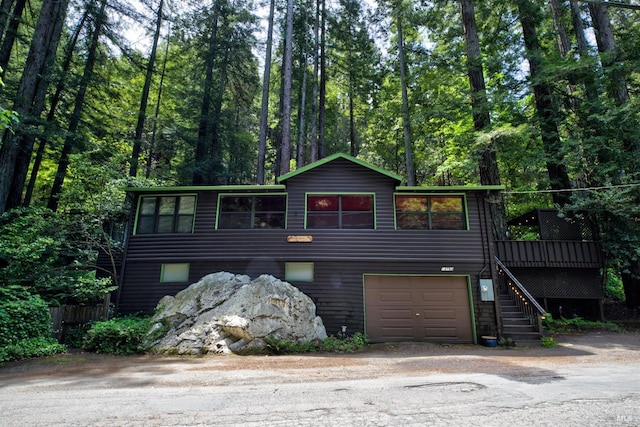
(613, 286)
(120, 336)
(25, 326)
(577, 324)
(31, 347)
(22, 316)
(330, 344)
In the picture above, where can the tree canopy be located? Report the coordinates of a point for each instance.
(541, 97)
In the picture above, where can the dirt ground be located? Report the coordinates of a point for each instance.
(382, 359)
(588, 379)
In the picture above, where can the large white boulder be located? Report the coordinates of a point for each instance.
(226, 312)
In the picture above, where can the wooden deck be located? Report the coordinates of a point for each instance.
(550, 253)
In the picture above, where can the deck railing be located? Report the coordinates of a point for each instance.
(510, 285)
(550, 253)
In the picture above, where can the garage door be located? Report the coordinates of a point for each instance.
(417, 308)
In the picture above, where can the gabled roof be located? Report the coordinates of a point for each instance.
(339, 156)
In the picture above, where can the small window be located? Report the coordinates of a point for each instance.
(340, 211)
(166, 214)
(423, 212)
(252, 211)
(298, 272)
(178, 272)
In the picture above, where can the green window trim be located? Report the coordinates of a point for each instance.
(433, 213)
(247, 213)
(165, 214)
(340, 212)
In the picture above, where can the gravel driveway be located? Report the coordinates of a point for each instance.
(589, 379)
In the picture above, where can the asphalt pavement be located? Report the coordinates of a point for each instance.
(588, 380)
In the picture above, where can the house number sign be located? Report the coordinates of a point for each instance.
(299, 239)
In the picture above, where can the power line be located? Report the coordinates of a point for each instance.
(569, 190)
(612, 4)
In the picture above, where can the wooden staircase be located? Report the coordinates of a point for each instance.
(516, 326)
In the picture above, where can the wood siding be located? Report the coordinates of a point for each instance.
(340, 256)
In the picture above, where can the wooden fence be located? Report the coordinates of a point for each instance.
(67, 317)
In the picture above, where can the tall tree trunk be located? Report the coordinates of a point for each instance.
(213, 174)
(152, 143)
(33, 84)
(546, 108)
(487, 161)
(205, 106)
(144, 100)
(53, 105)
(353, 144)
(322, 100)
(264, 110)
(617, 86)
(408, 150)
(72, 139)
(301, 115)
(5, 12)
(11, 35)
(314, 102)
(286, 102)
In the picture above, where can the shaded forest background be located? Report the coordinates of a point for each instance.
(539, 96)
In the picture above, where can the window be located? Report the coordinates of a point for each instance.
(430, 212)
(178, 272)
(252, 211)
(166, 214)
(340, 211)
(298, 272)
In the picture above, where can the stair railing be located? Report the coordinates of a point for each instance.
(523, 299)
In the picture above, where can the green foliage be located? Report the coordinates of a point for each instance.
(119, 336)
(548, 342)
(577, 324)
(613, 286)
(31, 347)
(330, 344)
(49, 254)
(22, 316)
(25, 326)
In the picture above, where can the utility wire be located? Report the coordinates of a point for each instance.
(568, 190)
(612, 4)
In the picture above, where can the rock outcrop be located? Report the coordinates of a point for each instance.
(226, 312)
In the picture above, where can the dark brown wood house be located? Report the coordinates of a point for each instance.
(395, 262)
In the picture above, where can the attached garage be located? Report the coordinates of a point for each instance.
(418, 308)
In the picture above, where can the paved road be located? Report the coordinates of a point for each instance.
(589, 380)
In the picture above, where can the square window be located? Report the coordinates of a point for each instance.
(298, 272)
(166, 214)
(178, 272)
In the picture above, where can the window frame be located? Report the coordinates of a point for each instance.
(156, 214)
(340, 211)
(164, 266)
(253, 211)
(429, 212)
(292, 264)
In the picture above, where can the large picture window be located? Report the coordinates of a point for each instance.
(340, 211)
(166, 214)
(252, 211)
(424, 212)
